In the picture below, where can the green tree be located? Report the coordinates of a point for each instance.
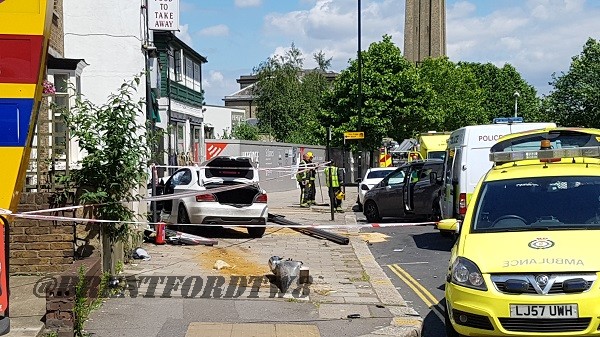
(392, 98)
(498, 88)
(455, 96)
(289, 97)
(245, 131)
(116, 160)
(276, 91)
(575, 99)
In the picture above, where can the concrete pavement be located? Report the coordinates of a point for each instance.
(180, 293)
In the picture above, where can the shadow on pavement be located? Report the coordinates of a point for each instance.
(433, 326)
(433, 241)
(214, 232)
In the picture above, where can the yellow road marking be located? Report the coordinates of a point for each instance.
(419, 290)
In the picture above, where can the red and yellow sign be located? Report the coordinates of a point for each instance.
(24, 34)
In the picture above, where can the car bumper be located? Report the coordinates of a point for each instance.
(487, 313)
(215, 213)
(361, 196)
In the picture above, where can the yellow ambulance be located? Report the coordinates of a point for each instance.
(525, 262)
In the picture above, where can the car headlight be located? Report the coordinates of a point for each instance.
(364, 187)
(466, 273)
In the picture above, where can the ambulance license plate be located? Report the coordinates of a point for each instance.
(544, 311)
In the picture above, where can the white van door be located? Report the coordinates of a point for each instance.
(451, 189)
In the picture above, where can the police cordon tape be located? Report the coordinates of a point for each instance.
(322, 226)
(292, 168)
(34, 215)
(167, 197)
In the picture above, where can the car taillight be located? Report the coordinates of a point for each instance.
(206, 197)
(364, 187)
(261, 198)
(462, 203)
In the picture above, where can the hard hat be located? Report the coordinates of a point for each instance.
(309, 154)
(340, 195)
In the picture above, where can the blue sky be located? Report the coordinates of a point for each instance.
(538, 37)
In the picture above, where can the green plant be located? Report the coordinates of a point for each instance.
(84, 305)
(364, 277)
(117, 151)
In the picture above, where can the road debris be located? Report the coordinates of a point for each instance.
(220, 264)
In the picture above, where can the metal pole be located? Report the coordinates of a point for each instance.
(153, 203)
(516, 98)
(330, 185)
(344, 165)
(359, 100)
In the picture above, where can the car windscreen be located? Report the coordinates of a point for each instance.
(538, 203)
(378, 174)
(436, 155)
(230, 168)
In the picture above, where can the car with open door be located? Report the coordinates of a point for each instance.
(221, 191)
(412, 190)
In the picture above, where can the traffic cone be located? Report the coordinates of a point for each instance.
(160, 233)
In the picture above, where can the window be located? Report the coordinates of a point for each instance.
(180, 137)
(539, 203)
(175, 65)
(197, 77)
(189, 73)
(396, 177)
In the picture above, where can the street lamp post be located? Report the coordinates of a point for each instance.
(359, 100)
(517, 95)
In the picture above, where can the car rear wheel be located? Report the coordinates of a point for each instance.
(256, 232)
(371, 212)
(182, 217)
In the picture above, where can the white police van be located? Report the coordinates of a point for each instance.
(467, 160)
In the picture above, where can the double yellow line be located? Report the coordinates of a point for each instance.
(421, 291)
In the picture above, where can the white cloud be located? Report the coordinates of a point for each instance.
(248, 3)
(218, 30)
(215, 79)
(217, 85)
(332, 26)
(463, 8)
(511, 43)
(184, 34)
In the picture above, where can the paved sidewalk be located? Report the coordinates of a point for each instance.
(179, 293)
(26, 308)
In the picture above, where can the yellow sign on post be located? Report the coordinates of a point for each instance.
(354, 135)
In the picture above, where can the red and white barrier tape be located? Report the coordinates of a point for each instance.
(322, 226)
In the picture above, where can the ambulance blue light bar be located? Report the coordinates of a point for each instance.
(545, 155)
(508, 120)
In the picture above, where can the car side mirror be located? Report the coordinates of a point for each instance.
(358, 180)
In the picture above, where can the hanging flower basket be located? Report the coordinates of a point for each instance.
(49, 88)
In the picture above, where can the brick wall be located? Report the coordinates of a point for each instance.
(57, 41)
(39, 246)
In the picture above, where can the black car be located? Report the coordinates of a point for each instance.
(412, 190)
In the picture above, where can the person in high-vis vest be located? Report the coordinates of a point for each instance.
(333, 179)
(306, 180)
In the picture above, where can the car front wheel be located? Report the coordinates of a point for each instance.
(371, 212)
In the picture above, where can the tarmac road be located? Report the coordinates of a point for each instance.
(415, 259)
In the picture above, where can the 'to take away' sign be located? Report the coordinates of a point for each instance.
(163, 14)
(354, 135)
